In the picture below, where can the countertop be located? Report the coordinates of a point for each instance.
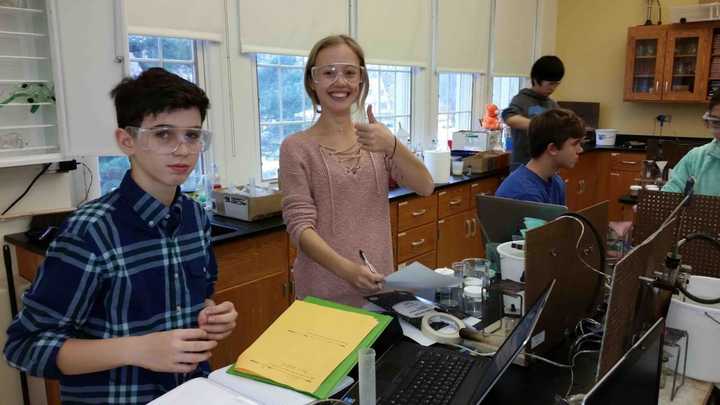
(228, 229)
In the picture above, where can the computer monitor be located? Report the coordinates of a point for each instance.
(552, 252)
(633, 307)
(635, 378)
(500, 218)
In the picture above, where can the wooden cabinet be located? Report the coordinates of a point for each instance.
(625, 168)
(259, 303)
(453, 200)
(254, 275)
(415, 234)
(416, 211)
(585, 184)
(668, 63)
(458, 238)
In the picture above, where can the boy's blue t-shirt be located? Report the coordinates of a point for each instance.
(524, 184)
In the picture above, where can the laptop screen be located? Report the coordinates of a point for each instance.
(493, 370)
(500, 218)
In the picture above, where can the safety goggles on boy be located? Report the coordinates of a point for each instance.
(167, 139)
(328, 74)
(711, 121)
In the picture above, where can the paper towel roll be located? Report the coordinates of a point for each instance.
(438, 164)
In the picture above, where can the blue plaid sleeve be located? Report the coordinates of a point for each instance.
(57, 303)
(212, 267)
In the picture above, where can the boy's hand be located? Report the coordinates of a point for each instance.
(173, 351)
(218, 320)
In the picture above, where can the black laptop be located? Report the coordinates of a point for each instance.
(412, 374)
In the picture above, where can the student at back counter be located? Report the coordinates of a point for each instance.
(702, 163)
(554, 138)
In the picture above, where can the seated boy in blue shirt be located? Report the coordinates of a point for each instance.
(554, 138)
(120, 311)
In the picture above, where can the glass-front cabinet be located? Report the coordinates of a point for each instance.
(644, 66)
(58, 62)
(28, 118)
(668, 63)
(685, 65)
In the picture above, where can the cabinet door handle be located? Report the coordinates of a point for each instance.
(417, 243)
(455, 202)
(615, 174)
(474, 227)
(467, 228)
(475, 185)
(657, 86)
(286, 289)
(629, 162)
(666, 86)
(419, 212)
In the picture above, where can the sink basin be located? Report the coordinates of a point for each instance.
(219, 230)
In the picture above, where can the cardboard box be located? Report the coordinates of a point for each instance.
(483, 162)
(239, 204)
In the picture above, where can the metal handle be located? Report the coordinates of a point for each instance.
(657, 85)
(615, 174)
(581, 186)
(629, 162)
(467, 228)
(474, 185)
(417, 243)
(666, 86)
(286, 289)
(475, 227)
(420, 212)
(455, 202)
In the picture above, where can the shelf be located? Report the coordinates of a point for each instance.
(646, 57)
(10, 127)
(22, 81)
(21, 10)
(23, 104)
(23, 34)
(18, 57)
(27, 160)
(28, 150)
(685, 56)
(683, 75)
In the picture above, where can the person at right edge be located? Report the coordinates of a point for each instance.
(546, 74)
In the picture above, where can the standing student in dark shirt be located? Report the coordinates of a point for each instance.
(120, 311)
(554, 137)
(546, 74)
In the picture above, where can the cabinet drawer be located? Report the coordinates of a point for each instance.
(627, 162)
(416, 211)
(250, 259)
(427, 260)
(416, 242)
(485, 186)
(452, 200)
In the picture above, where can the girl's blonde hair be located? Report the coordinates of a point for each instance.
(327, 42)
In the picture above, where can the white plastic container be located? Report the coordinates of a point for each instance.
(438, 164)
(605, 137)
(703, 360)
(512, 261)
(698, 12)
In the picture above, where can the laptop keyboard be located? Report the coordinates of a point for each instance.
(437, 376)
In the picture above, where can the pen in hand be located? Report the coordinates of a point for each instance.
(366, 262)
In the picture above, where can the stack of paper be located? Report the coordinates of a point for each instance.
(311, 346)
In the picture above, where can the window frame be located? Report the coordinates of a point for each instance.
(199, 53)
(472, 111)
(397, 69)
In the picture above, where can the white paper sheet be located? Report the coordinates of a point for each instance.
(415, 276)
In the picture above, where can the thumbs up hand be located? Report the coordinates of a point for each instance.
(374, 136)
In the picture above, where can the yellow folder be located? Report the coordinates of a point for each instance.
(303, 347)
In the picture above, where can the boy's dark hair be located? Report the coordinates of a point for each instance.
(548, 67)
(153, 92)
(714, 100)
(553, 127)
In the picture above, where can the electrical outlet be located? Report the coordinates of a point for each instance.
(664, 118)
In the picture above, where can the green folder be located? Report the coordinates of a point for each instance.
(346, 365)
